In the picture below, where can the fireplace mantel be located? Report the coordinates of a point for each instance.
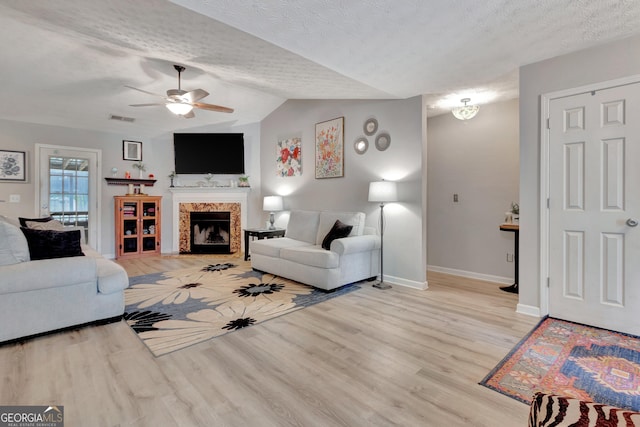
(207, 190)
(206, 195)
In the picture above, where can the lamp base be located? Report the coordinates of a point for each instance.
(381, 285)
(272, 220)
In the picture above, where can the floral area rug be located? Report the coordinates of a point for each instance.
(571, 360)
(173, 310)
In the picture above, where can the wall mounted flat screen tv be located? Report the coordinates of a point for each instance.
(216, 153)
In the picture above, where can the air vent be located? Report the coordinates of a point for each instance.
(122, 119)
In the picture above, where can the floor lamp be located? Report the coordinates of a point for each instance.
(383, 192)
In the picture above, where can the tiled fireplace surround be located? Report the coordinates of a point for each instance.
(208, 199)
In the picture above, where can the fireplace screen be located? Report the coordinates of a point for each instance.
(210, 232)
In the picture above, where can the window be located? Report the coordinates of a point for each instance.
(69, 190)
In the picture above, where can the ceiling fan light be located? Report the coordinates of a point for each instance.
(179, 108)
(465, 112)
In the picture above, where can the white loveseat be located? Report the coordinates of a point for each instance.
(299, 255)
(44, 295)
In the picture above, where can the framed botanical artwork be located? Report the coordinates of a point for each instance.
(289, 157)
(132, 150)
(330, 148)
(13, 165)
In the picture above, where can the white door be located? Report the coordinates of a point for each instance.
(68, 187)
(594, 189)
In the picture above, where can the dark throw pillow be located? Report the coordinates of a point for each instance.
(45, 244)
(23, 221)
(338, 231)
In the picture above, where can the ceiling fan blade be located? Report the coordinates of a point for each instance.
(189, 115)
(144, 91)
(144, 105)
(195, 95)
(212, 107)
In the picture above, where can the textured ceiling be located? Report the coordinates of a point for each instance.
(66, 62)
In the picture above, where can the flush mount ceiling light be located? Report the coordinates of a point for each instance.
(465, 112)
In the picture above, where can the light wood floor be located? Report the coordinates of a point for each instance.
(369, 358)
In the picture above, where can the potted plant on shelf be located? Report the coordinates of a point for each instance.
(244, 181)
(515, 212)
(141, 167)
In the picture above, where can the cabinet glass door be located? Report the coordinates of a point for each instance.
(149, 226)
(130, 227)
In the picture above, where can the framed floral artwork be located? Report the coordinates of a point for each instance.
(330, 148)
(13, 165)
(289, 157)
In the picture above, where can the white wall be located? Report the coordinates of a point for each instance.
(602, 63)
(405, 250)
(478, 160)
(157, 156)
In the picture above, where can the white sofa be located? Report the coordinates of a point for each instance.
(299, 255)
(38, 296)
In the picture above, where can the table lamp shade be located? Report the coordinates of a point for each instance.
(383, 191)
(272, 203)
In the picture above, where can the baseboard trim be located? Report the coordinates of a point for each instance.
(471, 274)
(529, 310)
(399, 281)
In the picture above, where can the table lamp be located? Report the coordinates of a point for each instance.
(272, 204)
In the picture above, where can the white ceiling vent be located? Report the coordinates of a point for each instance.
(122, 119)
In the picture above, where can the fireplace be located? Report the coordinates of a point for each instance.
(210, 232)
(208, 199)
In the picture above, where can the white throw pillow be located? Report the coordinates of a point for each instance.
(54, 225)
(13, 245)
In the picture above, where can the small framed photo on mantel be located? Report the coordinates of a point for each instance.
(13, 166)
(132, 150)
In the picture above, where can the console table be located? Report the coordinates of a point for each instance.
(513, 228)
(260, 233)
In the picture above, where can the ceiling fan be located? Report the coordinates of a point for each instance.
(180, 102)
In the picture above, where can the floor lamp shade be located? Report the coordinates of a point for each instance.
(272, 204)
(382, 191)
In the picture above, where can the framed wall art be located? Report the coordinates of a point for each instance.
(330, 148)
(289, 157)
(370, 126)
(13, 165)
(132, 150)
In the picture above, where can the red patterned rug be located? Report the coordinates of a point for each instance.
(572, 360)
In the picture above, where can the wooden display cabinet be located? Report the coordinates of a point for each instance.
(138, 224)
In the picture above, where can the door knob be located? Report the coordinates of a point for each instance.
(632, 222)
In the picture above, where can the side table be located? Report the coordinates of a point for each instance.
(260, 233)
